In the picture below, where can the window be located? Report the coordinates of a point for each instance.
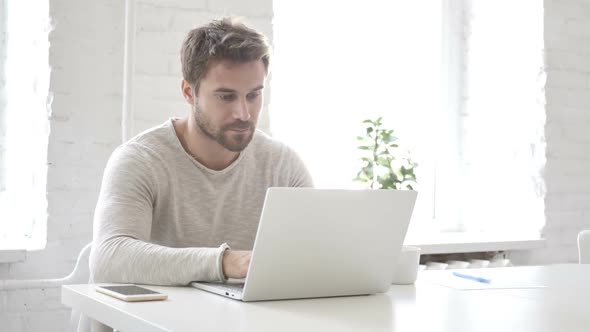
(24, 126)
(502, 116)
(461, 91)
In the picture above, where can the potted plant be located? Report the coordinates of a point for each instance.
(384, 165)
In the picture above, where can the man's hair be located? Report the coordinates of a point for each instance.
(225, 39)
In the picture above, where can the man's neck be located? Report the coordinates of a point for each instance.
(201, 147)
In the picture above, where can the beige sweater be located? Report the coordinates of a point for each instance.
(162, 217)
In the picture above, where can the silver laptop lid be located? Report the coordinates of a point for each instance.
(322, 242)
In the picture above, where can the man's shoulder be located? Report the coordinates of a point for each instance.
(265, 147)
(154, 143)
(158, 138)
(262, 142)
(155, 135)
(274, 155)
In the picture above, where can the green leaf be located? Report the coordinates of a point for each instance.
(386, 133)
(404, 171)
(383, 161)
(387, 182)
(361, 177)
(386, 167)
(390, 139)
(368, 171)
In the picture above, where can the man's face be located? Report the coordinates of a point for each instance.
(228, 102)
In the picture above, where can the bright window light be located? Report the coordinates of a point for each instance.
(462, 92)
(503, 142)
(23, 204)
(341, 63)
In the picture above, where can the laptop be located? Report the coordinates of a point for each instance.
(315, 243)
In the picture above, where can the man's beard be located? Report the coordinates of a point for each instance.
(232, 142)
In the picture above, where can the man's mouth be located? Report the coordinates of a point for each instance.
(240, 129)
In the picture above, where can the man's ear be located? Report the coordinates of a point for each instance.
(188, 92)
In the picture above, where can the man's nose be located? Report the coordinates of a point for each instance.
(242, 111)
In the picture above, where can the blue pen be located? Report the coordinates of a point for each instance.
(466, 276)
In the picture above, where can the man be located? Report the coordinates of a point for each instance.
(181, 202)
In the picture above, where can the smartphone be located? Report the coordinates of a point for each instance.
(131, 293)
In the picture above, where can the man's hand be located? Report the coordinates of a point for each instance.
(235, 263)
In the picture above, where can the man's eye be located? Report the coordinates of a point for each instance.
(253, 95)
(227, 97)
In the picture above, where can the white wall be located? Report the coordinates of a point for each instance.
(2, 93)
(86, 58)
(567, 132)
(160, 32)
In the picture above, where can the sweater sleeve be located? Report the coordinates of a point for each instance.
(299, 174)
(121, 251)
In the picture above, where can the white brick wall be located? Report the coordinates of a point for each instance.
(567, 174)
(86, 62)
(33, 310)
(86, 57)
(2, 93)
(161, 27)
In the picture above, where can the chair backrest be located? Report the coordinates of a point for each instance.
(80, 275)
(584, 247)
(81, 272)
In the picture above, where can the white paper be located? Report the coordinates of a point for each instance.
(448, 279)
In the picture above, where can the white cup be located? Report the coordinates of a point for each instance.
(436, 266)
(406, 269)
(478, 263)
(453, 264)
(501, 262)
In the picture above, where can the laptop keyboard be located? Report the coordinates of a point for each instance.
(234, 288)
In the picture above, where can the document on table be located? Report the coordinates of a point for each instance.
(476, 280)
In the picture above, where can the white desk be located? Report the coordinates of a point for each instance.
(563, 306)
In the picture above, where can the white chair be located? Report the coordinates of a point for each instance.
(584, 247)
(80, 275)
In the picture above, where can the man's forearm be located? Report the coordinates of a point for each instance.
(127, 260)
